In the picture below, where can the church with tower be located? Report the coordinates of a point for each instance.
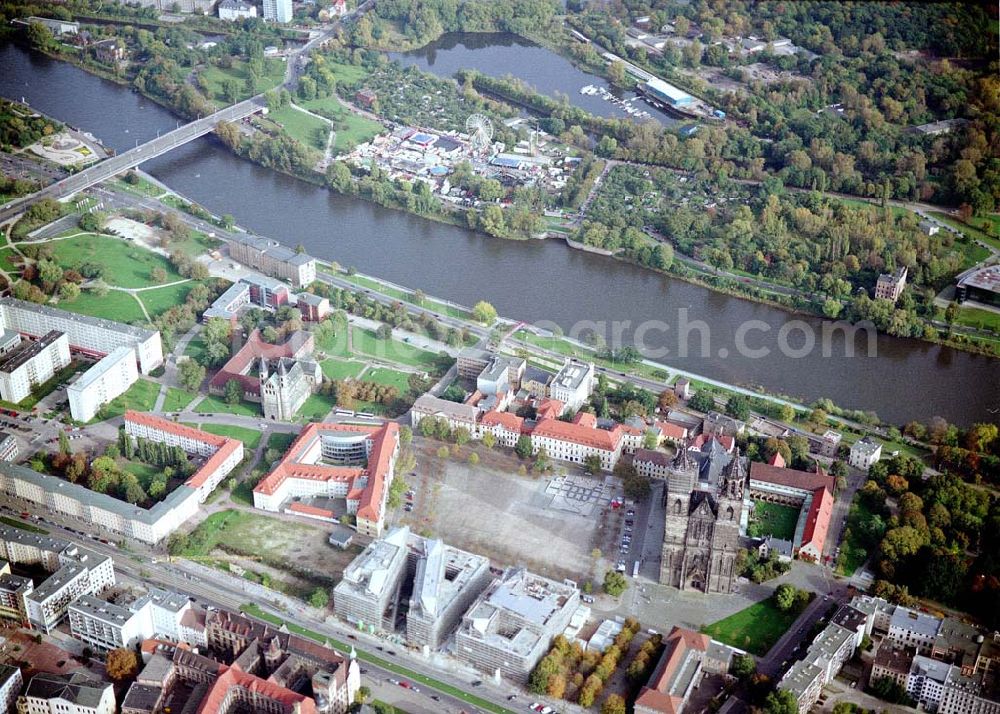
(705, 515)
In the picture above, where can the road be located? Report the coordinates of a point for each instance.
(147, 566)
(133, 157)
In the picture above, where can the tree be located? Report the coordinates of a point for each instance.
(781, 701)
(405, 436)
(158, 275)
(614, 704)
(363, 695)
(667, 400)
(233, 392)
(744, 666)
(702, 401)
(787, 413)
(122, 664)
(384, 331)
(785, 596)
(64, 445)
(443, 452)
(473, 458)
(39, 36)
(319, 598)
(614, 583)
(489, 441)
(484, 313)
(523, 447)
(190, 374)
(592, 463)
(461, 436)
(738, 407)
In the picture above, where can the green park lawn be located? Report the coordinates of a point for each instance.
(126, 264)
(773, 519)
(217, 405)
(141, 396)
(177, 399)
(159, 300)
(116, 305)
(389, 378)
(196, 243)
(978, 318)
(249, 437)
(280, 440)
(316, 407)
(336, 345)
(195, 348)
(352, 128)
(364, 342)
(334, 368)
(211, 78)
(754, 629)
(984, 229)
(246, 532)
(304, 128)
(6, 259)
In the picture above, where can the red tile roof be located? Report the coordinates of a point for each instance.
(585, 419)
(225, 446)
(727, 442)
(306, 509)
(818, 519)
(255, 348)
(793, 478)
(384, 441)
(672, 431)
(549, 409)
(579, 434)
(777, 460)
(657, 694)
(508, 421)
(234, 677)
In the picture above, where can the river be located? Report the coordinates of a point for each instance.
(527, 280)
(501, 53)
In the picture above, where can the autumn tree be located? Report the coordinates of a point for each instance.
(122, 664)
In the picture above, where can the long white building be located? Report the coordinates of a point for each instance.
(222, 455)
(32, 363)
(109, 378)
(73, 693)
(90, 335)
(104, 626)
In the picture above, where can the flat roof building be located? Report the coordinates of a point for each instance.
(510, 625)
(32, 363)
(109, 378)
(91, 335)
(367, 594)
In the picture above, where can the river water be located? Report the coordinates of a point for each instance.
(528, 280)
(501, 53)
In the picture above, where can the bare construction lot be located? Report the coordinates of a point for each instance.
(549, 524)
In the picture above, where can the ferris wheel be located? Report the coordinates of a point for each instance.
(480, 131)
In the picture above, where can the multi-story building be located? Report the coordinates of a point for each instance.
(511, 624)
(535, 382)
(268, 256)
(445, 582)
(75, 571)
(232, 10)
(367, 594)
(577, 440)
(10, 687)
(652, 464)
(892, 662)
(14, 591)
(573, 384)
(687, 656)
(249, 366)
(805, 681)
(825, 445)
(74, 693)
(49, 603)
(256, 290)
(105, 626)
(889, 286)
(221, 454)
(347, 461)
(278, 10)
(914, 629)
(457, 415)
(314, 308)
(109, 378)
(8, 446)
(285, 386)
(864, 453)
(89, 335)
(32, 363)
(811, 492)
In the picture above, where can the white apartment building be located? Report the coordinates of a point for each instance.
(8, 446)
(232, 10)
(911, 628)
(90, 335)
(32, 363)
(864, 453)
(105, 626)
(73, 693)
(107, 379)
(573, 384)
(10, 686)
(278, 10)
(50, 601)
